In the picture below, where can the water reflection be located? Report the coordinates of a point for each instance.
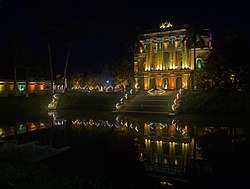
(168, 150)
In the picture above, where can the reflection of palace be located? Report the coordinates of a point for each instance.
(165, 61)
(166, 149)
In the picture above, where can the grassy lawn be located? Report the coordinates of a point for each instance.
(88, 101)
(74, 103)
(19, 108)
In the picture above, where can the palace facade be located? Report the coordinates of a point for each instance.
(164, 60)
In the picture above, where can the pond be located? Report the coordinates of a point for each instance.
(142, 151)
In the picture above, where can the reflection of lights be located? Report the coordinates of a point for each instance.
(117, 106)
(91, 122)
(76, 122)
(175, 162)
(120, 123)
(59, 122)
(117, 119)
(136, 129)
(107, 123)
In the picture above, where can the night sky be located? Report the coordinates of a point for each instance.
(103, 27)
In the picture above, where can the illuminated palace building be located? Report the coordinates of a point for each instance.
(165, 59)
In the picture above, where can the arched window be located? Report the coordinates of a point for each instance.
(178, 83)
(152, 84)
(198, 63)
(165, 83)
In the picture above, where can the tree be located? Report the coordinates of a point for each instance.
(72, 38)
(194, 39)
(107, 74)
(44, 13)
(227, 67)
(16, 53)
(76, 80)
(21, 61)
(123, 74)
(134, 44)
(90, 81)
(48, 30)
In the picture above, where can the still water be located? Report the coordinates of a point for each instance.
(138, 151)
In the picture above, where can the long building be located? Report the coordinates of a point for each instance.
(7, 86)
(164, 60)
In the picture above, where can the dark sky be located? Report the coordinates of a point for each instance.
(104, 27)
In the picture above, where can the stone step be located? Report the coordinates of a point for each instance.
(145, 103)
(152, 108)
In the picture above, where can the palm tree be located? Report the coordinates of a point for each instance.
(16, 53)
(72, 38)
(27, 62)
(47, 31)
(194, 38)
(44, 14)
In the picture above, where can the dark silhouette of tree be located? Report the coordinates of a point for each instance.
(47, 31)
(90, 81)
(72, 37)
(77, 80)
(195, 38)
(107, 75)
(44, 14)
(133, 45)
(56, 25)
(123, 74)
(21, 61)
(227, 67)
(15, 51)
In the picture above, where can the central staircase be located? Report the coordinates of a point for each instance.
(149, 102)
